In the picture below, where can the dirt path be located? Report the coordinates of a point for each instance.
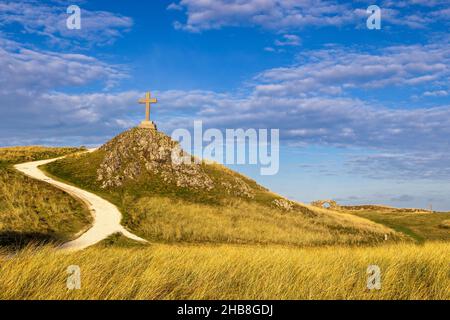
(106, 215)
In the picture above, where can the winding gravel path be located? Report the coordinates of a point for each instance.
(106, 215)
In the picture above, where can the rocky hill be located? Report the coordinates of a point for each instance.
(139, 151)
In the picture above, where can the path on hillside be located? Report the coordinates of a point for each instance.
(106, 215)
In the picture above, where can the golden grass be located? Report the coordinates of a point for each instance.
(167, 220)
(230, 272)
(31, 210)
(28, 206)
(32, 153)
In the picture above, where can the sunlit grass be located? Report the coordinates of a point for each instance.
(230, 272)
(32, 153)
(31, 210)
(168, 220)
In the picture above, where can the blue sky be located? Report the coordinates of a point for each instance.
(364, 115)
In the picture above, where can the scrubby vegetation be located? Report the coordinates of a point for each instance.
(160, 271)
(33, 211)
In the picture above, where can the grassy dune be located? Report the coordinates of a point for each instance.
(33, 211)
(420, 226)
(230, 272)
(161, 212)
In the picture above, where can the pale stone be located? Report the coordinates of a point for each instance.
(147, 125)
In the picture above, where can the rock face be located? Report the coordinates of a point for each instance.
(139, 151)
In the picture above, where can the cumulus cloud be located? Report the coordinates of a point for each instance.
(341, 122)
(292, 15)
(333, 70)
(32, 102)
(49, 20)
(60, 118)
(50, 70)
(276, 15)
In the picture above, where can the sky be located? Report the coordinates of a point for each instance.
(363, 114)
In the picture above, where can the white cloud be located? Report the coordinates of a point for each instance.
(402, 165)
(32, 102)
(436, 93)
(334, 70)
(27, 69)
(276, 14)
(49, 21)
(288, 40)
(285, 15)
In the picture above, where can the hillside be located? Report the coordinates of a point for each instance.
(419, 225)
(33, 211)
(164, 201)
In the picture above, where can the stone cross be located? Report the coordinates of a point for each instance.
(147, 101)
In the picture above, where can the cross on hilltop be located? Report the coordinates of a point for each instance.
(147, 101)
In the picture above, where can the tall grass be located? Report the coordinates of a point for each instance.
(31, 210)
(167, 220)
(230, 272)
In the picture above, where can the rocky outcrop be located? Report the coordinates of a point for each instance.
(326, 204)
(138, 151)
(284, 204)
(238, 188)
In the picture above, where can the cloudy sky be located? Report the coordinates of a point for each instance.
(364, 115)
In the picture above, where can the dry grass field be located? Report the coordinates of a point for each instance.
(162, 219)
(408, 271)
(33, 211)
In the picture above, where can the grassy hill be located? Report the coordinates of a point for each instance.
(420, 226)
(201, 203)
(33, 211)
